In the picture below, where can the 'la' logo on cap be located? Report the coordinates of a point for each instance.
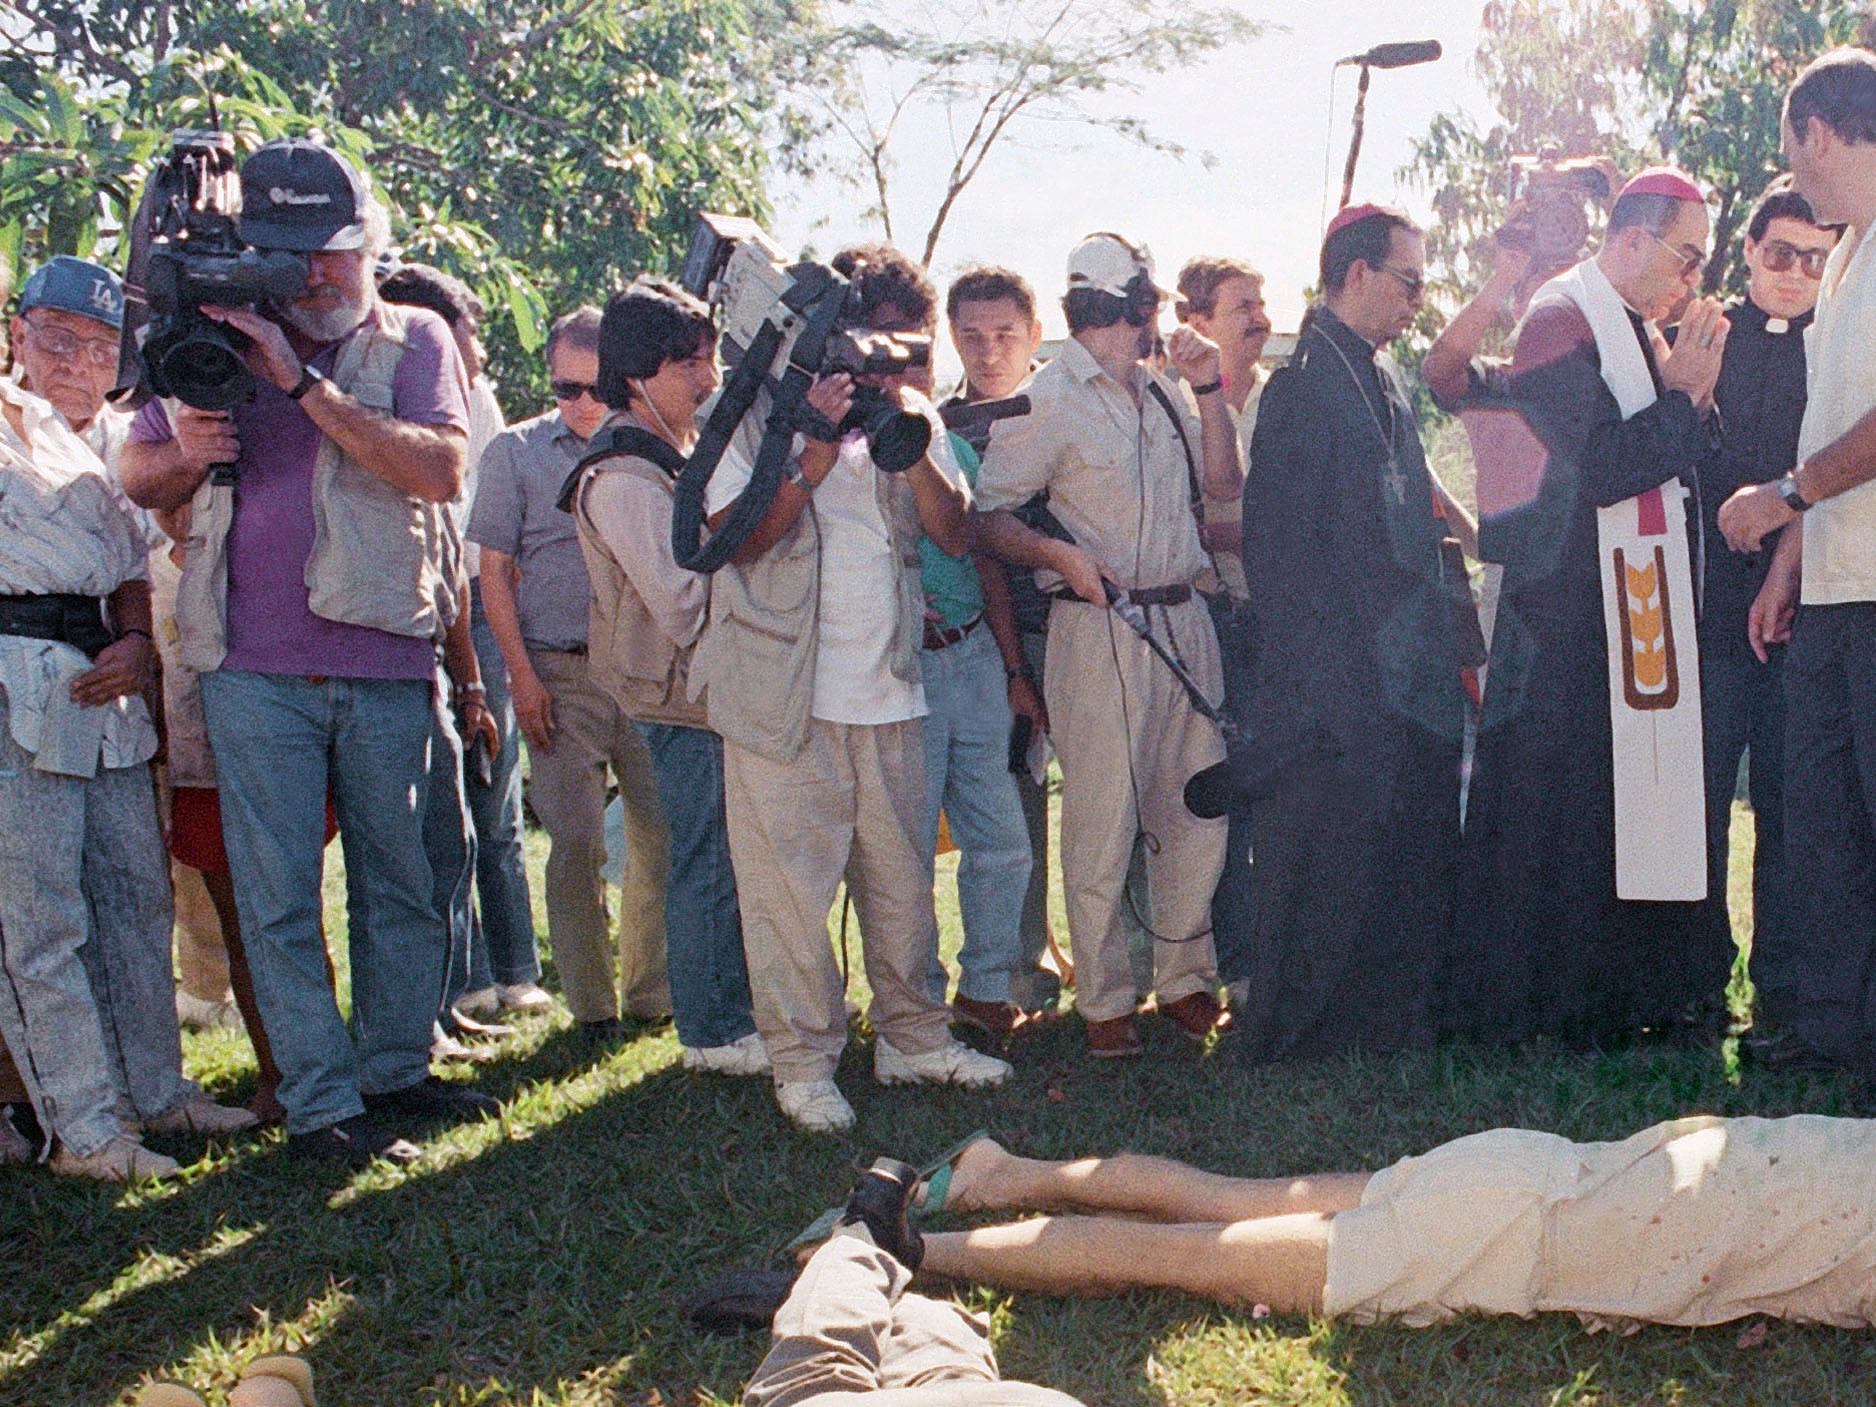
(102, 297)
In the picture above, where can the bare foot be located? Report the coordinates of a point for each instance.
(974, 1178)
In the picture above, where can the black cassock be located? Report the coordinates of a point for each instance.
(1542, 945)
(1353, 858)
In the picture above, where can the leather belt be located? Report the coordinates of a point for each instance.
(1140, 596)
(938, 637)
(75, 620)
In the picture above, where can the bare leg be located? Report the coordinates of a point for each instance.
(1280, 1261)
(989, 1177)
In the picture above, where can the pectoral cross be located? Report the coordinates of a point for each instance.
(1396, 481)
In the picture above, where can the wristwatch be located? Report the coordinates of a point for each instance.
(309, 378)
(1788, 490)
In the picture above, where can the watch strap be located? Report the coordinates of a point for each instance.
(309, 378)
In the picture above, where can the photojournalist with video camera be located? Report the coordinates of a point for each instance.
(320, 571)
(810, 658)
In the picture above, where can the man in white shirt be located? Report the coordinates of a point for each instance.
(1824, 574)
(810, 658)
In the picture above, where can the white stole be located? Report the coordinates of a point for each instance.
(1648, 612)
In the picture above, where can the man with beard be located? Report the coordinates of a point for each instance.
(1123, 464)
(318, 576)
(1580, 915)
(1354, 599)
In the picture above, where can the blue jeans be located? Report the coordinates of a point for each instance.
(449, 843)
(967, 775)
(508, 953)
(281, 741)
(703, 929)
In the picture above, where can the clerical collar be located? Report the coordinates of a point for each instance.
(1333, 326)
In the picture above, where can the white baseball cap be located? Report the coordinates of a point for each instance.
(1107, 263)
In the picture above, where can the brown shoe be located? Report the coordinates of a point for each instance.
(1114, 1040)
(1003, 1019)
(1198, 1014)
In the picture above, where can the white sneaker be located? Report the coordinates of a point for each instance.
(815, 1106)
(200, 1014)
(524, 996)
(953, 1064)
(744, 1056)
(123, 1159)
(482, 1002)
(197, 1113)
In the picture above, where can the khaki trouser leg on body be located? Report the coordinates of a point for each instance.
(567, 785)
(643, 988)
(889, 874)
(201, 959)
(1109, 698)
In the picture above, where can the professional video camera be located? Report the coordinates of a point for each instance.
(1555, 195)
(184, 252)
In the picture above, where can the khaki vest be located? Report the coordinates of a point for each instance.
(381, 558)
(756, 655)
(641, 668)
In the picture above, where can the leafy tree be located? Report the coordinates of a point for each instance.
(545, 150)
(984, 67)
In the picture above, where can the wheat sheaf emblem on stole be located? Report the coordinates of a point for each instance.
(1651, 677)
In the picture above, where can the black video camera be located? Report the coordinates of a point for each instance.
(184, 254)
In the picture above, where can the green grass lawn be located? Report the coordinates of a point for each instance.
(539, 1260)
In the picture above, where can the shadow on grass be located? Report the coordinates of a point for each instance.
(542, 1259)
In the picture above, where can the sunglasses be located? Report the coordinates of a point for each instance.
(57, 342)
(1690, 263)
(573, 390)
(1413, 283)
(1780, 256)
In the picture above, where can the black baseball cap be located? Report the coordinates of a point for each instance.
(298, 195)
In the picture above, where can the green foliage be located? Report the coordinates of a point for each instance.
(543, 150)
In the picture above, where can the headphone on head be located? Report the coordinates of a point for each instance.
(1139, 299)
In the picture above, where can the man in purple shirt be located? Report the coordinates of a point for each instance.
(317, 578)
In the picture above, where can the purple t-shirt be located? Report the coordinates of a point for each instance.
(270, 627)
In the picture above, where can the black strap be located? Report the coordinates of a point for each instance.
(74, 619)
(1192, 464)
(617, 440)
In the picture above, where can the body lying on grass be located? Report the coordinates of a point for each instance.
(1695, 1221)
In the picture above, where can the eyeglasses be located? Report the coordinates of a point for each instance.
(1414, 283)
(57, 342)
(1690, 263)
(1780, 256)
(573, 390)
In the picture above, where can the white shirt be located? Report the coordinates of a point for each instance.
(62, 530)
(853, 678)
(1840, 532)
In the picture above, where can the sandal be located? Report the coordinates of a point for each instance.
(936, 1175)
(739, 1302)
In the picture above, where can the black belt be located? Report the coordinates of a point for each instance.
(1140, 595)
(939, 637)
(76, 620)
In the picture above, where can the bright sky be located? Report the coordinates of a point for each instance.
(1262, 110)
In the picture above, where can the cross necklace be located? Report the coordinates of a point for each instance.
(1395, 480)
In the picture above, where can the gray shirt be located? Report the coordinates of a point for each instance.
(522, 472)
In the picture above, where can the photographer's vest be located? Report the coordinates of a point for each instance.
(638, 666)
(381, 558)
(756, 656)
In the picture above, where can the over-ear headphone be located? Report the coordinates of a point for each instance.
(1141, 299)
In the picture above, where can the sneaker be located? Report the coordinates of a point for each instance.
(485, 1001)
(201, 1014)
(745, 1055)
(1114, 1039)
(1198, 1014)
(524, 996)
(879, 1203)
(275, 1380)
(431, 1098)
(952, 1064)
(197, 1113)
(815, 1106)
(15, 1147)
(123, 1159)
(352, 1143)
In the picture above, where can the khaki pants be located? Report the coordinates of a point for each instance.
(1110, 700)
(851, 805)
(201, 958)
(567, 785)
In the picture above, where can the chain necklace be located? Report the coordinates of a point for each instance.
(1395, 480)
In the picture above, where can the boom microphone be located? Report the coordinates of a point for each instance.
(1424, 51)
